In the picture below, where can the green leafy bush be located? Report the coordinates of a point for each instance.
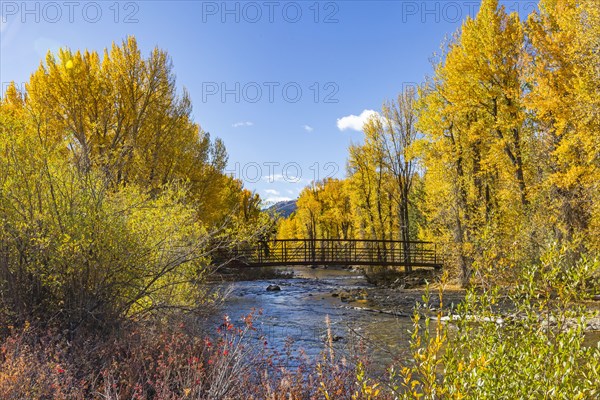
(526, 341)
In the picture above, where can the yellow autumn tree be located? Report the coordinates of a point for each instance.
(477, 162)
(112, 200)
(564, 76)
(369, 186)
(123, 115)
(324, 211)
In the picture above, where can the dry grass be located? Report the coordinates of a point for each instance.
(159, 362)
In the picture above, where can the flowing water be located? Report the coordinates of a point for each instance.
(299, 310)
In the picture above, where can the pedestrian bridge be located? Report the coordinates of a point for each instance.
(342, 252)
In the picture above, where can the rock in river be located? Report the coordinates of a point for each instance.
(273, 288)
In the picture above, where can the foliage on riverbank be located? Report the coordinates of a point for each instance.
(527, 341)
(524, 342)
(112, 200)
(165, 362)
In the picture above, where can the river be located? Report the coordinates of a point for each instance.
(299, 310)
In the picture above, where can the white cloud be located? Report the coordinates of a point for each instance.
(355, 122)
(272, 191)
(242, 123)
(308, 128)
(273, 178)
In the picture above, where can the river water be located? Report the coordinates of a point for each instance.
(299, 310)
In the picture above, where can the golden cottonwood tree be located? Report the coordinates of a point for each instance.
(324, 211)
(112, 200)
(121, 114)
(564, 76)
(473, 116)
(369, 188)
(337, 216)
(309, 210)
(398, 139)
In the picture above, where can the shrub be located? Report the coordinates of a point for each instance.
(525, 341)
(76, 252)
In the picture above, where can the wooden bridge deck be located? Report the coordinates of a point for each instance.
(340, 252)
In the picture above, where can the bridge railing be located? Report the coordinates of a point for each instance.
(341, 251)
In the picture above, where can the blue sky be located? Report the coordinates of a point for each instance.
(285, 84)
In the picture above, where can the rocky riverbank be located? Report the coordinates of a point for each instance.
(401, 302)
(397, 293)
(397, 301)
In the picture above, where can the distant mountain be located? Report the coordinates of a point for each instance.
(283, 208)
